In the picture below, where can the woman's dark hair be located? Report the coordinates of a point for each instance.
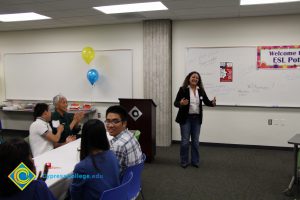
(12, 153)
(39, 109)
(93, 137)
(118, 110)
(186, 81)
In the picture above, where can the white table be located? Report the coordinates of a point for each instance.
(63, 160)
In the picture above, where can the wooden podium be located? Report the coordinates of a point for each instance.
(142, 116)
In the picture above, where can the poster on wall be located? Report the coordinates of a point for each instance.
(278, 57)
(226, 71)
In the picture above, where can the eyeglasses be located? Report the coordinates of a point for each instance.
(112, 122)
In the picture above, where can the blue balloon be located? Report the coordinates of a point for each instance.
(92, 76)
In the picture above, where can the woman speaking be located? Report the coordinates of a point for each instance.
(189, 101)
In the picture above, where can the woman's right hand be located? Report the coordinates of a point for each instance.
(184, 102)
(214, 101)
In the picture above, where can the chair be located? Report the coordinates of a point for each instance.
(1, 139)
(137, 134)
(135, 187)
(27, 139)
(119, 192)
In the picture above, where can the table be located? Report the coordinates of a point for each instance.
(63, 160)
(295, 140)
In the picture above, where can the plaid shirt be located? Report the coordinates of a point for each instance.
(127, 149)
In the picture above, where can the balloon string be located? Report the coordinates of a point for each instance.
(93, 86)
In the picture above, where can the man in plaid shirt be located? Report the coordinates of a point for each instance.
(124, 144)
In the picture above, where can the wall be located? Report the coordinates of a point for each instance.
(106, 37)
(234, 125)
(237, 125)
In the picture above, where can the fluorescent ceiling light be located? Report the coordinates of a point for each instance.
(254, 2)
(21, 17)
(133, 7)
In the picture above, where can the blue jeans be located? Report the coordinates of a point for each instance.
(191, 128)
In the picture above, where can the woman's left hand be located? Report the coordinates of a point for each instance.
(44, 176)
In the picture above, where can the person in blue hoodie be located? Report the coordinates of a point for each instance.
(98, 169)
(12, 153)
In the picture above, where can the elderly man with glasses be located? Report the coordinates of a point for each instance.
(124, 144)
(69, 120)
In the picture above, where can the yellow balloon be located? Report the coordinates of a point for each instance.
(88, 54)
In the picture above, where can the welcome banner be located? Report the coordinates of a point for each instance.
(279, 57)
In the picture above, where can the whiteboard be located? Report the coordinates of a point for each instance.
(41, 76)
(250, 86)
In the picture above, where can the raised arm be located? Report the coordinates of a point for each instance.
(54, 137)
(76, 119)
(207, 101)
(180, 99)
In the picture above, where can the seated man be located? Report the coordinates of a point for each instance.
(124, 144)
(61, 116)
(41, 138)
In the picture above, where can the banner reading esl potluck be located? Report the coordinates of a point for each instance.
(278, 57)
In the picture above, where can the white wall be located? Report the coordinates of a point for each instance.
(106, 37)
(237, 125)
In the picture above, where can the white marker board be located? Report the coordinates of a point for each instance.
(250, 86)
(41, 76)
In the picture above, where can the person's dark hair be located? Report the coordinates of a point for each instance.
(39, 109)
(93, 137)
(12, 153)
(118, 110)
(186, 81)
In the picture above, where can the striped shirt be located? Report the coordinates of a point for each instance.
(127, 149)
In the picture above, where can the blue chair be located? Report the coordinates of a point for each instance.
(135, 186)
(119, 192)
